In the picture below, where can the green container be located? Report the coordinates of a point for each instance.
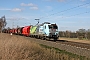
(33, 29)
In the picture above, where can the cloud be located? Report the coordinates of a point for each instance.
(30, 4)
(86, 6)
(16, 10)
(46, 0)
(15, 18)
(49, 7)
(5, 9)
(82, 0)
(34, 8)
(61, 0)
(55, 0)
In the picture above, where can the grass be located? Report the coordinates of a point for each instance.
(19, 48)
(73, 38)
(70, 55)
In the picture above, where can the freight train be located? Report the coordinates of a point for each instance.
(44, 31)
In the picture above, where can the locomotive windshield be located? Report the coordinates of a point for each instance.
(53, 27)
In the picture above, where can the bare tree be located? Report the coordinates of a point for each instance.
(68, 34)
(2, 23)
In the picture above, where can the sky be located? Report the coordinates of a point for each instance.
(67, 14)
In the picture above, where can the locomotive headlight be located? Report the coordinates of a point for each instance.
(57, 33)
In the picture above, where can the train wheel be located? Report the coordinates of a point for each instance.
(55, 39)
(42, 38)
(47, 38)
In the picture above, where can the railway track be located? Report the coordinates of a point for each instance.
(76, 44)
(70, 43)
(81, 49)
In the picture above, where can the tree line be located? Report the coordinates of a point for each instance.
(81, 34)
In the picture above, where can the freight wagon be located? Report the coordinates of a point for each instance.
(26, 31)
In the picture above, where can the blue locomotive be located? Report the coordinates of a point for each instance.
(47, 30)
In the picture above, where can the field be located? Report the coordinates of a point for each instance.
(19, 48)
(75, 40)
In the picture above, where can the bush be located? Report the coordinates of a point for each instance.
(80, 37)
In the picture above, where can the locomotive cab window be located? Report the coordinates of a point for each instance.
(45, 27)
(55, 27)
(49, 26)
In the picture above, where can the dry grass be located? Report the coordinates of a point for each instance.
(75, 40)
(12, 48)
(19, 48)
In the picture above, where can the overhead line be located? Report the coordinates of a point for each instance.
(67, 9)
(79, 14)
(65, 4)
(76, 14)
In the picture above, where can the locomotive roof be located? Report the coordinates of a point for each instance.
(44, 23)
